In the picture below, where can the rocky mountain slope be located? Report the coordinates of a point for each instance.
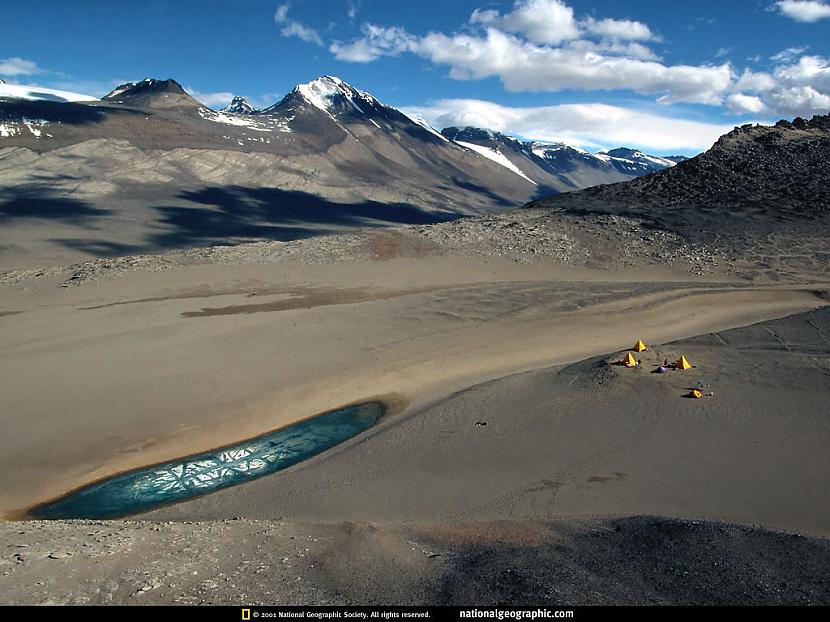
(755, 182)
(148, 168)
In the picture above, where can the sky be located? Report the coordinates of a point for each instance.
(666, 77)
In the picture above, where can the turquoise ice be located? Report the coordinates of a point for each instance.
(151, 487)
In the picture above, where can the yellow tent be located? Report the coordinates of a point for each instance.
(695, 393)
(682, 363)
(640, 346)
(630, 361)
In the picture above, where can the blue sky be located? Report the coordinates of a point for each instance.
(665, 76)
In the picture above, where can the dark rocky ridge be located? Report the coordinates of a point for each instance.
(754, 181)
(152, 93)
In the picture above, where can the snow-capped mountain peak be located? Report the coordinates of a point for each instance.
(239, 105)
(335, 96)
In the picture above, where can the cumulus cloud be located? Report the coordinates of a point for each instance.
(620, 29)
(541, 21)
(795, 87)
(591, 126)
(376, 41)
(17, 66)
(523, 66)
(803, 87)
(540, 45)
(743, 104)
(543, 46)
(799, 101)
(807, 11)
(755, 82)
(294, 28)
(808, 71)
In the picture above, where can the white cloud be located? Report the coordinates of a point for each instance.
(587, 125)
(756, 82)
(281, 14)
(802, 89)
(616, 48)
(742, 104)
(807, 11)
(799, 101)
(619, 29)
(294, 28)
(353, 8)
(788, 55)
(523, 66)
(17, 66)
(218, 99)
(794, 88)
(541, 21)
(808, 71)
(376, 41)
(541, 46)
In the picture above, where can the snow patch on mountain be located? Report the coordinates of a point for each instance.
(37, 93)
(34, 126)
(257, 123)
(636, 156)
(495, 156)
(119, 90)
(429, 128)
(320, 92)
(326, 92)
(546, 150)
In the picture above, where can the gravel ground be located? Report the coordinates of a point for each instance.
(642, 560)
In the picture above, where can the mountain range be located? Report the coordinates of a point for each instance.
(148, 167)
(557, 167)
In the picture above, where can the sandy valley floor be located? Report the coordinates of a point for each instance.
(141, 366)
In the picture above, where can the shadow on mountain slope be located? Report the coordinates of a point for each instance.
(26, 202)
(235, 212)
(99, 248)
(57, 112)
(468, 185)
